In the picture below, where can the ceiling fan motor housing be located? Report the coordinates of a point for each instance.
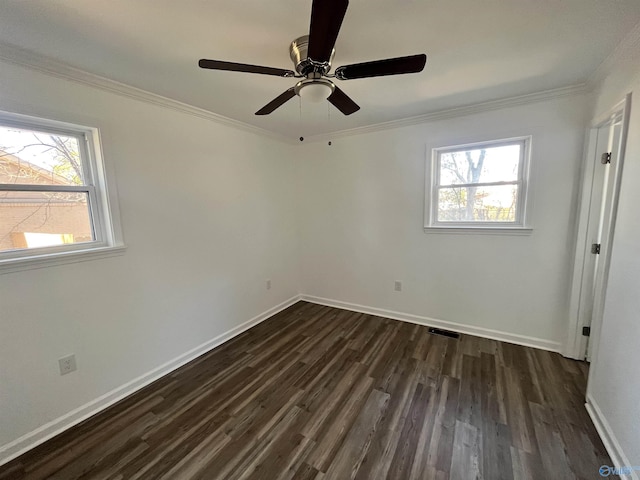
(303, 64)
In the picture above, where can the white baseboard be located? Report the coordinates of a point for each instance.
(433, 322)
(34, 438)
(610, 441)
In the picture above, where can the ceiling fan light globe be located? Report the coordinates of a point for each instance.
(315, 92)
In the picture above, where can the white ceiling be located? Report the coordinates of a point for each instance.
(477, 50)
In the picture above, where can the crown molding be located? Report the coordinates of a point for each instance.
(536, 97)
(627, 52)
(34, 61)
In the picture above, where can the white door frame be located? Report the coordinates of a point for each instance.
(575, 345)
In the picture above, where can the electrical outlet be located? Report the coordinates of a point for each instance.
(398, 286)
(67, 364)
(268, 284)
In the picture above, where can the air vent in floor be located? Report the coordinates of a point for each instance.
(444, 333)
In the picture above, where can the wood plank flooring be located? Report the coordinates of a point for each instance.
(322, 393)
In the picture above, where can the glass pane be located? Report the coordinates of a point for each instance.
(42, 219)
(37, 158)
(490, 204)
(480, 165)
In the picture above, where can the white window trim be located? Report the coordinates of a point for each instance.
(103, 201)
(520, 227)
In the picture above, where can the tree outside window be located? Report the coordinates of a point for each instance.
(482, 184)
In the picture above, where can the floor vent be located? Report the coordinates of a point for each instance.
(444, 333)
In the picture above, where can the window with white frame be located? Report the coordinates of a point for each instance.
(480, 185)
(53, 197)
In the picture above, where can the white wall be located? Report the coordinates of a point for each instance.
(210, 212)
(207, 214)
(362, 225)
(614, 386)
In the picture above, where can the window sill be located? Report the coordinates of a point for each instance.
(10, 265)
(480, 230)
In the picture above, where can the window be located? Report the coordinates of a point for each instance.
(53, 197)
(481, 186)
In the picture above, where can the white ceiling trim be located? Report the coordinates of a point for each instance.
(25, 58)
(626, 52)
(458, 112)
(34, 61)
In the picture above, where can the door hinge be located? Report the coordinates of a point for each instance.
(605, 158)
(595, 248)
(586, 331)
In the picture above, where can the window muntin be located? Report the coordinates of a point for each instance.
(493, 174)
(52, 196)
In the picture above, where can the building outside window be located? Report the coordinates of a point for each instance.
(53, 194)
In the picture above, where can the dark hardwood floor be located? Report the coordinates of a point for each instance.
(321, 393)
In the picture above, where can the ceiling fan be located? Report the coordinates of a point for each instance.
(312, 55)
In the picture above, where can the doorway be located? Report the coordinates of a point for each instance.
(598, 207)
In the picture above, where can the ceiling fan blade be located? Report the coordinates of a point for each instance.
(243, 67)
(326, 19)
(342, 102)
(379, 68)
(277, 102)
